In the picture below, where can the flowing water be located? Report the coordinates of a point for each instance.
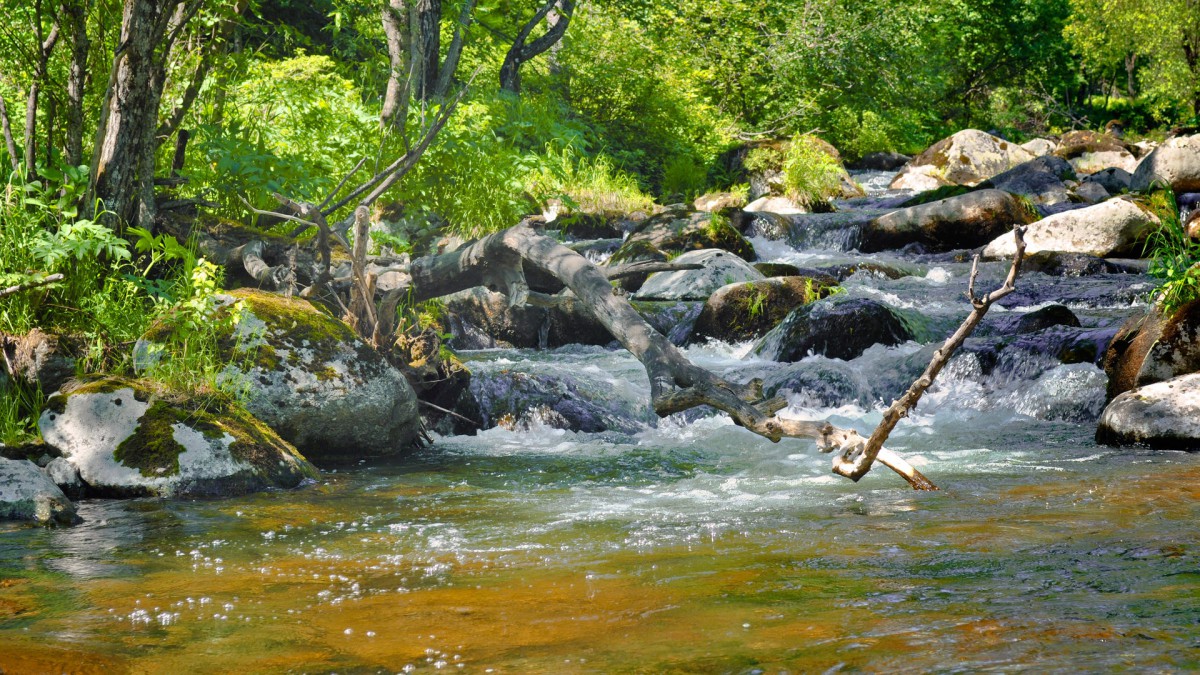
(682, 545)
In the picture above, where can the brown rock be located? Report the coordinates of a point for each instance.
(1149, 349)
(740, 312)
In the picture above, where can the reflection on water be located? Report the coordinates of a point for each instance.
(687, 548)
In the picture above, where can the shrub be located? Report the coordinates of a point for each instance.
(810, 174)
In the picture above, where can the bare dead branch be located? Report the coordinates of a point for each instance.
(12, 290)
(340, 185)
(855, 453)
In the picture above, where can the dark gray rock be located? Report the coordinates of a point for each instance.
(965, 221)
(842, 330)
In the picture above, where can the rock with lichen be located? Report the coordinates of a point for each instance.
(966, 158)
(314, 381)
(746, 311)
(26, 494)
(1117, 227)
(129, 438)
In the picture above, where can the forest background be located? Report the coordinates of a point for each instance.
(594, 105)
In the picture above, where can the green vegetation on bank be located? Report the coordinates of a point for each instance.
(629, 104)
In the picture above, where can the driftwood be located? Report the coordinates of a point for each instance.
(495, 262)
(11, 290)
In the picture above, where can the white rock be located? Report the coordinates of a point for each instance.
(1164, 414)
(720, 268)
(1112, 228)
(780, 205)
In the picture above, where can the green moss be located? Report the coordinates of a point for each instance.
(106, 385)
(1159, 201)
(938, 194)
(327, 373)
(152, 449)
(636, 250)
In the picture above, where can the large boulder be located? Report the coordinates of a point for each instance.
(1041, 180)
(837, 329)
(747, 310)
(26, 494)
(1176, 162)
(1060, 264)
(966, 158)
(312, 380)
(720, 268)
(588, 402)
(127, 440)
(1114, 180)
(965, 221)
(1090, 151)
(1040, 147)
(1161, 415)
(1150, 348)
(1115, 228)
(482, 319)
(673, 232)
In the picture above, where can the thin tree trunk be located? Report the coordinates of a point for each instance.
(124, 167)
(45, 48)
(9, 143)
(429, 25)
(522, 51)
(450, 65)
(76, 13)
(395, 99)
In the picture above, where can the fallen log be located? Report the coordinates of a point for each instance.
(676, 384)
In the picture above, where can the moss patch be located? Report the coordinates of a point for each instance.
(152, 449)
(1159, 202)
(938, 194)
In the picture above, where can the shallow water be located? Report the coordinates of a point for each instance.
(682, 545)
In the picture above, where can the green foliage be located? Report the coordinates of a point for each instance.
(587, 185)
(1175, 257)
(810, 174)
(293, 126)
(683, 178)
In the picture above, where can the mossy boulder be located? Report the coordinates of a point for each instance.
(840, 329)
(129, 438)
(966, 221)
(745, 311)
(679, 231)
(1152, 348)
(1091, 151)
(312, 380)
(28, 495)
(966, 158)
(1114, 228)
(1175, 163)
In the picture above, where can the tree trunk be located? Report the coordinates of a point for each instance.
(426, 47)
(123, 174)
(9, 143)
(76, 13)
(45, 48)
(395, 99)
(1130, 67)
(522, 50)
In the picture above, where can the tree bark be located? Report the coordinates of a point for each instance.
(9, 144)
(425, 44)
(395, 99)
(123, 173)
(76, 13)
(522, 50)
(45, 49)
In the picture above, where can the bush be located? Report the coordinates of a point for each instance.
(810, 174)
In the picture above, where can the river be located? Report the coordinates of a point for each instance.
(677, 546)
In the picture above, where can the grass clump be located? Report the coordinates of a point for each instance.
(1174, 257)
